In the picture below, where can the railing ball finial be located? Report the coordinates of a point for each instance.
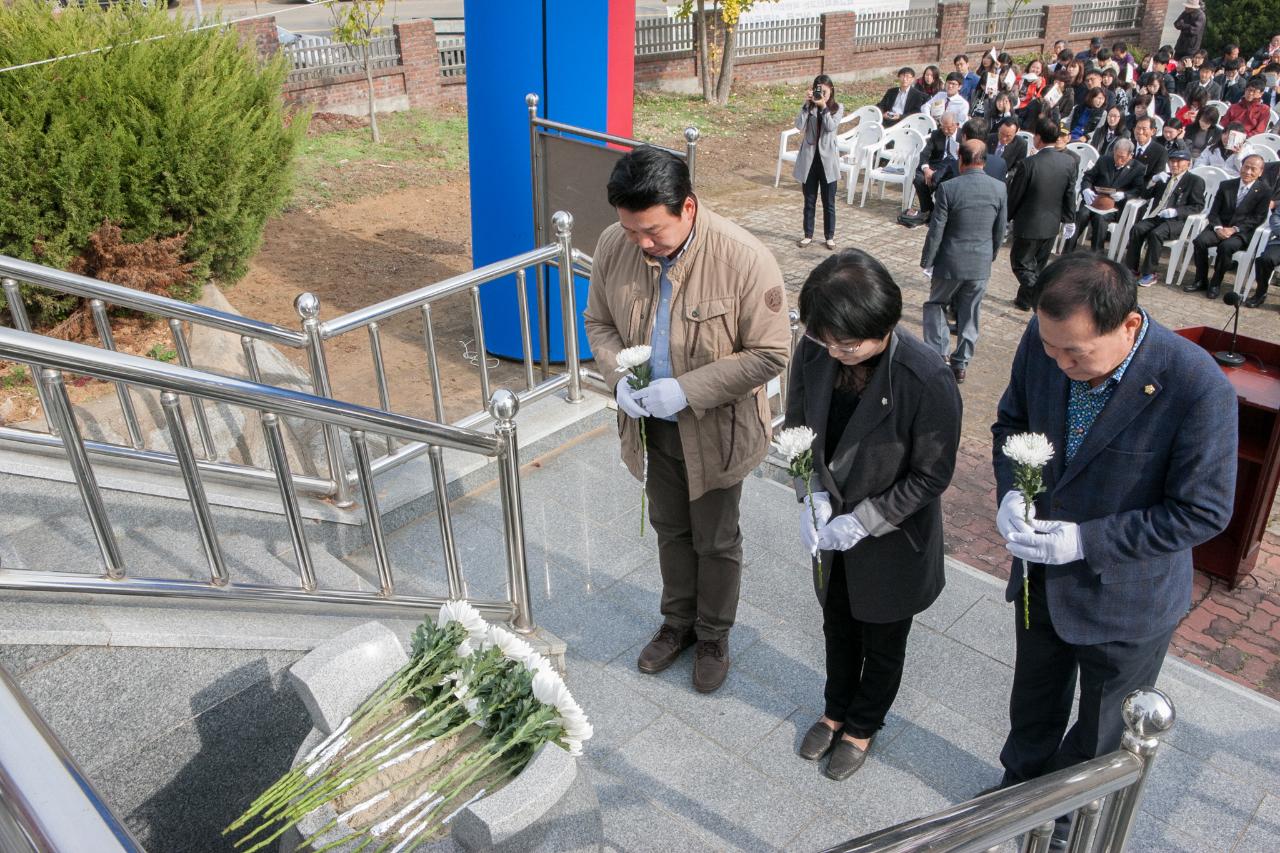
(307, 305)
(563, 221)
(1148, 712)
(691, 135)
(793, 316)
(531, 100)
(504, 405)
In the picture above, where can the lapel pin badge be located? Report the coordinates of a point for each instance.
(1149, 390)
(884, 401)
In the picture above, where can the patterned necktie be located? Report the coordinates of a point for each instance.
(1164, 199)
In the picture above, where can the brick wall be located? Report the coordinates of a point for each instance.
(415, 82)
(843, 59)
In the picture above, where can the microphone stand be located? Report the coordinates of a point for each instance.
(1232, 358)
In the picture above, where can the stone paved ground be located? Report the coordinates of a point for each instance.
(1232, 632)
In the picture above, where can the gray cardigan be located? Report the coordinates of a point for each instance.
(826, 144)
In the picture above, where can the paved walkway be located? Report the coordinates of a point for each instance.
(1232, 632)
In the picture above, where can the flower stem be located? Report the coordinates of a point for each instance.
(644, 485)
(813, 513)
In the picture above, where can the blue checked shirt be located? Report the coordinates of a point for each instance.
(1086, 403)
(660, 360)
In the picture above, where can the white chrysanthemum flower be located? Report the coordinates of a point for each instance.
(549, 689)
(793, 441)
(632, 357)
(511, 646)
(1029, 448)
(465, 615)
(537, 663)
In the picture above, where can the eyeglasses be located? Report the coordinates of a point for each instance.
(833, 348)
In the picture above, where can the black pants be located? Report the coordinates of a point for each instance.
(1151, 234)
(924, 192)
(1044, 680)
(1265, 265)
(864, 661)
(1086, 218)
(699, 543)
(817, 181)
(1027, 257)
(1226, 248)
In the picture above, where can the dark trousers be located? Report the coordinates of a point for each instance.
(1086, 218)
(699, 543)
(1151, 234)
(924, 192)
(1226, 248)
(1265, 265)
(1044, 680)
(817, 181)
(1027, 257)
(864, 661)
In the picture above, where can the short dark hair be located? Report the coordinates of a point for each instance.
(1104, 54)
(850, 296)
(1232, 64)
(1230, 47)
(648, 176)
(1096, 41)
(1202, 53)
(955, 76)
(1104, 288)
(960, 56)
(1065, 55)
(906, 69)
(1149, 122)
(1257, 83)
(973, 153)
(1119, 47)
(1007, 121)
(975, 128)
(1048, 131)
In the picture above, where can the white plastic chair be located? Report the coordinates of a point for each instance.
(1275, 119)
(869, 113)
(1030, 139)
(1221, 107)
(785, 156)
(1120, 230)
(900, 163)
(1180, 248)
(1251, 279)
(921, 123)
(1176, 102)
(1265, 140)
(1244, 260)
(1157, 123)
(1268, 155)
(1086, 156)
(851, 164)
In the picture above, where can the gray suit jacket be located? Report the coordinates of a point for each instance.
(826, 147)
(967, 227)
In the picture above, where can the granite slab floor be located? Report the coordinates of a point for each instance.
(179, 739)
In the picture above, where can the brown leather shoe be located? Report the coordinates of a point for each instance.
(958, 373)
(664, 648)
(711, 665)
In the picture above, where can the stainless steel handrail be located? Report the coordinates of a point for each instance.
(1103, 794)
(47, 804)
(151, 303)
(54, 356)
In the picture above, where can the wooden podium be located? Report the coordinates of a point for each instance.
(1232, 554)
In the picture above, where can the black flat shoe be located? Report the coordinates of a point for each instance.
(845, 760)
(817, 741)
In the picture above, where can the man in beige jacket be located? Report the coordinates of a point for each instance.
(708, 297)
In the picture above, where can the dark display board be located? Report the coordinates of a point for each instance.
(576, 175)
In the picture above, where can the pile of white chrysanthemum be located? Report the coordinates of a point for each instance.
(475, 686)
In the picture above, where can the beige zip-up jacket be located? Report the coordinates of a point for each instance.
(729, 336)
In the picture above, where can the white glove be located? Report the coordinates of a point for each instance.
(821, 506)
(1168, 213)
(662, 397)
(1118, 196)
(1009, 518)
(927, 272)
(841, 533)
(1068, 231)
(627, 401)
(1053, 543)
(1160, 177)
(1089, 195)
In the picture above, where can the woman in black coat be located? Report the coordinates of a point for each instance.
(886, 412)
(1111, 129)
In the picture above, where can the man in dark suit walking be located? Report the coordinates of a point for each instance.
(902, 100)
(965, 234)
(1143, 427)
(1008, 145)
(1116, 171)
(1240, 206)
(1042, 197)
(1175, 196)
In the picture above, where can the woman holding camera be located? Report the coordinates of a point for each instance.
(818, 163)
(886, 411)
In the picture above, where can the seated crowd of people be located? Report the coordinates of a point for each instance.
(1153, 123)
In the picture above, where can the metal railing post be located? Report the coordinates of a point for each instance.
(503, 408)
(380, 374)
(793, 316)
(370, 494)
(18, 310)
(453, 570)
(1148, 713)
(526, 330)
(1085, 825)
(691, 153)
(308, 307)
(197, 405)
(289, 499)
(195, 489)
(563, 221)
(86, 482)
(99, 311)
(477, 321)
(539, 235)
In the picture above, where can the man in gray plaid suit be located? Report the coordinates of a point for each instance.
(1143, 425)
